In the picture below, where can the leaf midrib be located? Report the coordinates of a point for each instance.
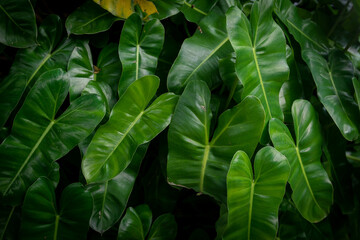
(195, 8)
(11, 19)
(7, 222)
(250, 208)
(92, 20)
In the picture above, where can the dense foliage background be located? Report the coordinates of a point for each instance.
(200, 119)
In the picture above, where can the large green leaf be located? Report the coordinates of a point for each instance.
(306, 32)
(139, 49)
(333, 79)
(199, 55)
(356, 84)
(131, 124)
(89, 18)
(312, 189)
(196, 10)
(260, 55)
(253, 201)
(196, 162)
(9, 222)
(110, 198)
(30, 63)
(38, 138)
(163, 228)
(17, 23)
(230, 79)
(42, 219)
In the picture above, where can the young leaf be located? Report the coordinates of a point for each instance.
(333, 79)
(42, 219)
(196, 162)
(198, 56)
(253, 201)
(131, 124)
(17, 23)
(312, 189)
(260, 55)
(38, 138)
(89, 18)
(30, 63)
(139, 49)
(110, 198)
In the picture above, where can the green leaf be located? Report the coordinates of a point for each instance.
(9, 222)
(260, 55)
(110, 198)
(312, 189)
(198, 56)
(229, 77)
(30, 63)
(136, 223)
(130, 125)
(139, 49)
(163, 228)
(356, 84)
(195, 10)
(17, 23)
(196, 162)
(166, 8)
(306, 32)
(30, 150)
(42, 219)
(253, 201)
(89, 18)
(333, 79)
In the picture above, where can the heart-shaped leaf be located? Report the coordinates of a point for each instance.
(131, 124)
(38, 138)
(196, 10)
(42, 219)
(253, 201)
(312, 189)
(139, 49)
(260, 54)
(195, 159)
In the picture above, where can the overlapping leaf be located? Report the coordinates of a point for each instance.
(312, 189)
(43, 219)
(139, 49)
(38, 138)
(131, 124)
(195, 159)
(260, 55)
(253, 201)
(196, 10)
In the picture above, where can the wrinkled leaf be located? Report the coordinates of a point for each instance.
(38, 138)
(42, 219)
(195, 159)
(254, 198)
(130, 125)
(312, 189)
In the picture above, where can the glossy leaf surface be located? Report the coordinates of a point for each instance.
(195, 159)
(163, 228)
(230, 78)
(110, 198)
(131, 124)
(89, 18)
(333, 79)
(42, 219)
(139, 49)
(260, 50)
(254, 198)
(199, 54)
(17, 23)
(38, 137)
(312, 189)
(356, 84)
(196, 10)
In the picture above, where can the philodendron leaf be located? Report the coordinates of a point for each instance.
(253, 201)
(139, 49)
(131, 124)
(196, 10)
(230, 79)
(110, 198)
(333, 79)
(306, 32)
(163, 228)
(260, 54)
(38, 138)
(89, 18)
(136, 223)
(43, 219)
(195, 159)
(17, 23)
(356, 84)
(30, 63)
(9, 222)
(199, 55)
(312, 189)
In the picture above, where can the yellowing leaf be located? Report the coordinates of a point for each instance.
(124, 8)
